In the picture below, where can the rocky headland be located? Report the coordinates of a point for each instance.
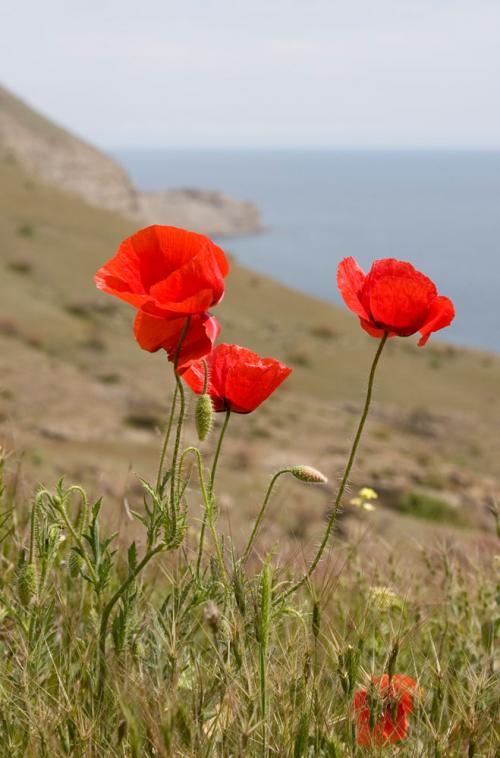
(66, 161)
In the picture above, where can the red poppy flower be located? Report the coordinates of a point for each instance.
(153, 333)
(238, 380)
(396, 700)
(393, 297)
(166, 272)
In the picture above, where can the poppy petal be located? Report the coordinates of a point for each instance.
(146, 257)
(399, 296)
(194, 377)
(248, 385)
(392, 725)
(153, 333)
(350, 281)
(393, 731)
(372, 330)
(239, 380)
(441, 313)
(200, 281)
(158, 254)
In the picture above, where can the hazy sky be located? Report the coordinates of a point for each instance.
(355, 73)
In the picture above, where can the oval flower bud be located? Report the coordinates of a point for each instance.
(203, 414)
(308, 474)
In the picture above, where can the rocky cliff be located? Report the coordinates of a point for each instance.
(66, 161)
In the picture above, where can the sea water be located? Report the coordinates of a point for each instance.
(438, 209)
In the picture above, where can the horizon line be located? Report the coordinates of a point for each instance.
(309, 148)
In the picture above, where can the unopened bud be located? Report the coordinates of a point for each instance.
(204, 414)
(27, 583)
(308, 474)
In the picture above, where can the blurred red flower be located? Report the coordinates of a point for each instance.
(239, 380)
(153, 333)
(393, 297)
(389, 723)
(166, 272)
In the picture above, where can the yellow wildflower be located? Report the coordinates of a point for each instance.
(368, 494)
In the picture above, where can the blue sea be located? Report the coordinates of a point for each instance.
(440, 210)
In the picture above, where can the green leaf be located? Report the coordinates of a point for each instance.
(132, 557)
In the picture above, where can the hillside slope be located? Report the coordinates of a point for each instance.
(63, 160)
(79, 398)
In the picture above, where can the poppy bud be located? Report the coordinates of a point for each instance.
(308, 474)
(27, 583)
(204, 414)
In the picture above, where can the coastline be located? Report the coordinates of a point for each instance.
(66, 161)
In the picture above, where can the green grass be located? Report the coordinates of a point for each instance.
(430, 507)
(222, 664)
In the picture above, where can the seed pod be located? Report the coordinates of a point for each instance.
(203, 414)
(308, 474)
(27, 583)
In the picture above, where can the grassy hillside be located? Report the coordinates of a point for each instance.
(135, 646)
(79, 398)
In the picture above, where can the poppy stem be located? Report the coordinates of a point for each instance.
(166, 439)
(211, 488)
(345, 477)
(180, 421)
(218, 449)
(261, 514)
(208, 515)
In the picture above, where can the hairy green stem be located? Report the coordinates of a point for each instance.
(166, 439)
(205, 377)
(212, 481)
(345, 476)
(207, 516)
(69, 526)
(261, 513)
(218, 449)
(180, 422)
